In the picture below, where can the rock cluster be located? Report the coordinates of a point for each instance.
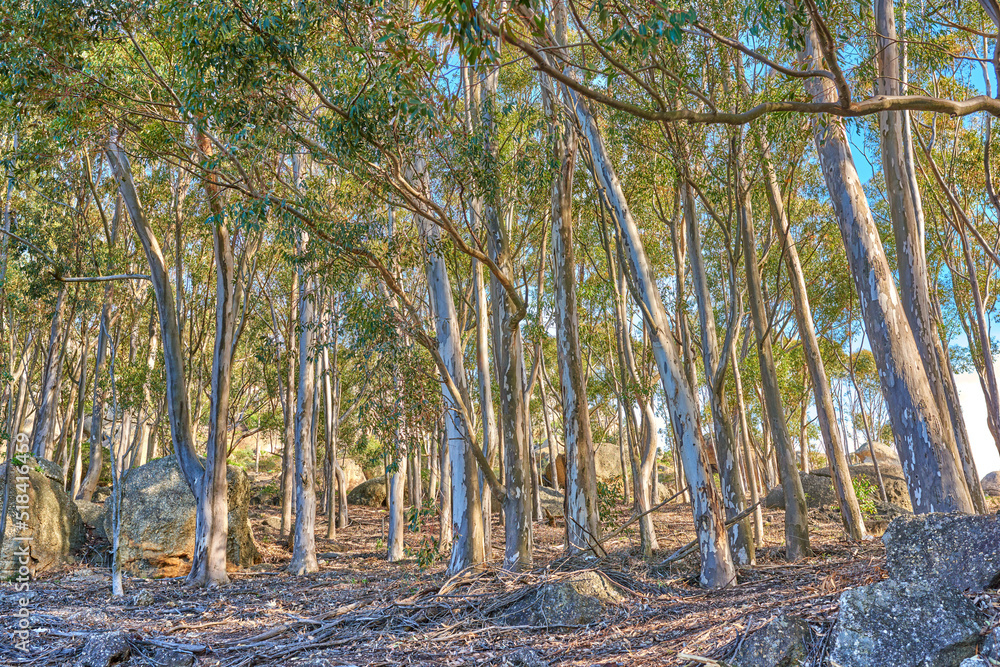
(922, 616)
(48, 523)
(158, 520)
(580, 599)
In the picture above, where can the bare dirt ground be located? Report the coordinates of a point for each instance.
(361, 610)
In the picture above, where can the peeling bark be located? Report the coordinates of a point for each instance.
(847, 499)
(733, 493)
(796, 514)
(924, 441)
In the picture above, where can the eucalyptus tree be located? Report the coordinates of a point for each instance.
(717, 569)
(715, 362)
(304, 547)
(932, 460)
(466, 512)
(907, 216)
(796, 514)
(583, 528)
(835, 449)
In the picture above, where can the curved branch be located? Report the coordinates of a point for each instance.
(852, 109)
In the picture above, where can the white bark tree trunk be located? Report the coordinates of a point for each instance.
(209, 504)
(485, 398)
(304, 550)
(733, 493)
(924, 440)
(907, 216)
(583, 523)
(847, 498)
(467, 547)
(796, 514)
(48, 402)
(717, 568)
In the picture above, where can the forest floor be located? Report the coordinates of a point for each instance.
(361, 610)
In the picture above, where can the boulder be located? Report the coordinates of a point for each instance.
(959, 551)
(90, 513)
(883, 454)
(48, 523)
(784, 642)
(158, 520)
(373, 493)
(607, 462)
(991, 646)
(560, 472)
(991, 483)
(819, 493)
(905, 624)
(104, 649)
(353, 474)
(892, 476)
(552, 501)
(580, 599)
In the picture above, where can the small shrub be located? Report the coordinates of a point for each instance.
(428, 553)
(867, 494)
(609, 496)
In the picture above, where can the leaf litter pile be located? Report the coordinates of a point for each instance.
(361, 610)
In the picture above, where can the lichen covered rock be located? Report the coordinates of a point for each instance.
(784, 642)
(158, 520)
(41, 518)
(905, 625)
(959, 551)
(371, 493)
(580, 599)
(818, 490)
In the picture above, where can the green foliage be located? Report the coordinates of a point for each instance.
(428, 553)
(663, 24)
(609, 496)
(867, 494)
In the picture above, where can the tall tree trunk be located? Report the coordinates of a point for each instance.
(331, 417)
(749, 459)
(288, 414)
(467, 547)
(304, 549)
(50, 382)
(212, 572)
(796, 515)
(836, 455)
(519, 544)
(583, 523)
(485, 397)
(208, 566)
(397, 480)
(717, 568)
(924, 439)
(443, 452)
(733, 493)
(81, 400)
(89, 484)
(640, 457)
(907, 216)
